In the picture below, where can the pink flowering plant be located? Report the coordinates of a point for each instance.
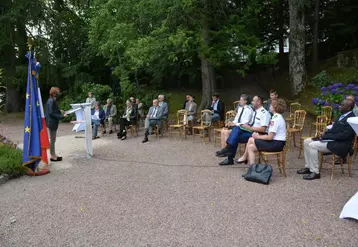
(332, 95)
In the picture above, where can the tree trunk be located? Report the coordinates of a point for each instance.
(315, 37)
(297, 63)
(281, 30)
(207, 70)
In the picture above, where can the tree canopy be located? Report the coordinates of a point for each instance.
(129, 44)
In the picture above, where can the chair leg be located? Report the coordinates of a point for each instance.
(300, 149)
(294, 138)
(332, 172)
(284, 163)
(350, 166)
(279, 163)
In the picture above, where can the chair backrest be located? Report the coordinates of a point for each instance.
(299, 117)
(294, 107)
(321, 124)
(236, 104)
(182, 116)
(327, 111)
(229, 115)
(205, 117)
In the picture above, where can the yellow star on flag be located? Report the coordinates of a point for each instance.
(27, 95)
(27, 129)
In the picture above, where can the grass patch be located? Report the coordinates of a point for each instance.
(11, 161)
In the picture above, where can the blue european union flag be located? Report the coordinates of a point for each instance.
(33, 125)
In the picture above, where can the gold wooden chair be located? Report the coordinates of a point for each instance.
(336, 158)
(132, 129)
(325, 111)
(293, 108)
(205, 125)
(217, 131)
(181, 125)
(280, 157)
(321, 123)
(236, 103)
(298, 123)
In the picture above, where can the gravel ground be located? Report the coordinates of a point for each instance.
(169, 193)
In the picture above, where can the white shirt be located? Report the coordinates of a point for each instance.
(246, 113)
(262, 118)
(278, 126)
(96, 115)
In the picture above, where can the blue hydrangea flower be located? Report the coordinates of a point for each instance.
(322, 102)
(324, 93)
(330, 87)
(340, 84)
(336, 106)
(355, 88)
(326, 104)
(323, 88)
(333, 91)
(314, 101)
(356, 98)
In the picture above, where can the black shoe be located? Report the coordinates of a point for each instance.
(338, 162)
(110, 132)
(226, 162)
(226, 151)
(237, 161)
(312, 176)
(104, 132)
(145, 140)
(304, 171)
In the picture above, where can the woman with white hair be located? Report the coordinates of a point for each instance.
(128, 117)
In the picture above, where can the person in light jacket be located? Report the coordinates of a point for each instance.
(111, 112)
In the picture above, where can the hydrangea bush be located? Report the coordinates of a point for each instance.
(332, 95)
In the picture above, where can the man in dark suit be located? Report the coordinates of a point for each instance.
(154, 117)
(337, 140)
(217, 108)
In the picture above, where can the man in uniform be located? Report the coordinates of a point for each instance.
(242, 133)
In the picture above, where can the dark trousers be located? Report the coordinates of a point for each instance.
(237, 136)
(123, 122)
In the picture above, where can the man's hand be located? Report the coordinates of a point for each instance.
(65, 115)
(246, 126)
(255, 135)
(62, 111)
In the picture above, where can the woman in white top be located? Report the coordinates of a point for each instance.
(243, 116)
(274, 141)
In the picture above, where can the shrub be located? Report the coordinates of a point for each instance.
(333, 95)
(11, 161)
(321, 79)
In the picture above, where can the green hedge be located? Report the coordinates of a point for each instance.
(11, 161)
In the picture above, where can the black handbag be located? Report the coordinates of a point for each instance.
(259, 173)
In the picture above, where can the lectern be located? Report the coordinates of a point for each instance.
(350, 210)
(83, 123)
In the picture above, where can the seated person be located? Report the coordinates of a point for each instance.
(273, 97)
(135, 107)
(127, 118)
(243, 116)
(259, 123)
(191, 106)
(217, 109)
(111, 112)
(338, 140)
(140, 107)
(355, 109)
(274, 141)
(154, 117)
(164, 106)
(186, 101)
(97, 116)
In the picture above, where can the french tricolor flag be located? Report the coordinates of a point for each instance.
(45, 144)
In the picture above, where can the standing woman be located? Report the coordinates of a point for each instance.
(274, 141)
(243, 116)
(53, 117)
(190, 106)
